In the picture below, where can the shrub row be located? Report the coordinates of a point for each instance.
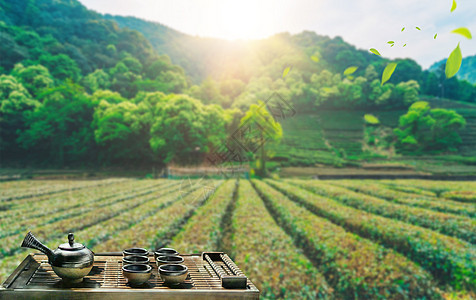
(268, 255)
(449, 224)
(355, 267)
(44, 212)
(407, 189)
(381, 191)
(456, 191)
(155, 230)
(54, 189)
(203, 231)
(451, 261)
(101, 232)
(463, 196)
(439, 187)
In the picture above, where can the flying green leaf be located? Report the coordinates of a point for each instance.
(374, 51)
(371, 119)
(286, 71)
(404, 45)
(350, 70)
(464, 32)
(315, 58)
(403, 28)
(453, 7)
(454, 62)
(387, 73)
(390, 42)
(435, 36)
(392, 45)
(418, 28)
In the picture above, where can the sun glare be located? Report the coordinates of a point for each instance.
(243, 20)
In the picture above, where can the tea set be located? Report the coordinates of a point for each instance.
(73, 261)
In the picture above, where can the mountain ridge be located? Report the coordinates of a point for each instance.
(467, 70)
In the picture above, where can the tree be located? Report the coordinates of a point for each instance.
(12, 53)
(379, 95)
(34, 78)
(123, 80)
(61, 66)
(429, 84)
(132, 64)
(15, 104)
(407, 70)
(183, 126)
(120, 142)
(208, 92)
(263, 131)
(405, 93)
(162, 64)
(424, 129)
(122, 127)
(97, 80)
(59, 129)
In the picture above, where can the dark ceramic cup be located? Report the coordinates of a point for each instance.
(135, 251)
(135, 259)
(165, 252)
(163, 260)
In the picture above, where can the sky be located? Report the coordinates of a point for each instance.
(363, 23)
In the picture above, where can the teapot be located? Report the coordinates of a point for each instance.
(71, 261)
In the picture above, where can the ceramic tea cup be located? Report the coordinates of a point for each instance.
(137, 274)
(135, 251)
(135, 259)
(173, 274)
(165, 252)
(163, 260)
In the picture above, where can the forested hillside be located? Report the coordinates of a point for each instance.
(203, 57)
(78, 89)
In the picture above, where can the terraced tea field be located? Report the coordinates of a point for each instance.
(297, 239)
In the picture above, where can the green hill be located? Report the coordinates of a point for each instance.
(467, 70)
(34, 28)
(83, 88)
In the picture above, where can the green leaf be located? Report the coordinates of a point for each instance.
(371, 119)
(350, 70)
(374, 51)
(404, 45)
(418, 28)
(464, 32)
(392, 45)
(387, 73)
(315, 58)
(390, 42)
(286, 71)
(453, 7)
(435, 36)
(453, 63)
(403, 28)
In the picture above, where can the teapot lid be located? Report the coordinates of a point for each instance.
(71, 245)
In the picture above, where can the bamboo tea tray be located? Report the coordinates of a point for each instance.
(35, 279)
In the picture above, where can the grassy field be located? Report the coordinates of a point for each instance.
(296, 239)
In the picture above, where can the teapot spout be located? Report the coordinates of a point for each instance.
(31, 241)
